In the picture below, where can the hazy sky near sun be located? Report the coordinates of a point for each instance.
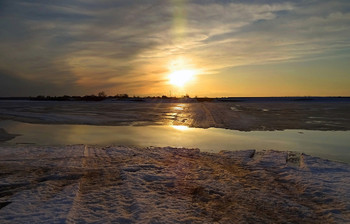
(236, 48)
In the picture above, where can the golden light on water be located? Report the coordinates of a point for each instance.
(180, 127)
(179, 107)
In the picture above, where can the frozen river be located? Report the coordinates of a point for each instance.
(248, 115)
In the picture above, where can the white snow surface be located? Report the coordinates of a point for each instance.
(117, 184)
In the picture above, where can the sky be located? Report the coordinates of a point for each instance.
(210, 48)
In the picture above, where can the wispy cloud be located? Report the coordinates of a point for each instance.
(124, 44)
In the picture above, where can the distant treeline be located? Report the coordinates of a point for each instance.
(125, 97)
(98, 97)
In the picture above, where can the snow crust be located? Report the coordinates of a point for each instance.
(117, 184)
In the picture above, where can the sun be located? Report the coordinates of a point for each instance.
(179, 78)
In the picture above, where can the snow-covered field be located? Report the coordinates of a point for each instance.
(85, 184)
(244, 116)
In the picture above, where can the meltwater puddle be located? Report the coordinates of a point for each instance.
(332, 145)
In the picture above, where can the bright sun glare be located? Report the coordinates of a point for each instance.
(181, 77)
(180, 127)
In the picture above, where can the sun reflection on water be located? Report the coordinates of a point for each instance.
(180, 127)
(179, 107)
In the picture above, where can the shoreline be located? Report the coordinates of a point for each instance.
(127, 184)
(5, 136)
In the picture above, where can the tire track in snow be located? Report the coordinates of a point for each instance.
(103, 194)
